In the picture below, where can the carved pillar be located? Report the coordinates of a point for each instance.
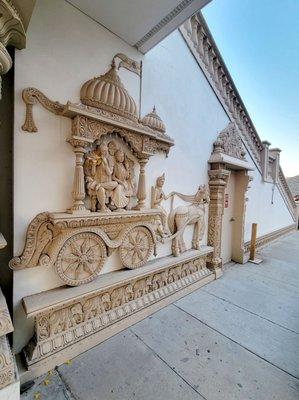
(217, 183)
(79, 148)
(141, 192)
(12, 33)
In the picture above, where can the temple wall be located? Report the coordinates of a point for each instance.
(58, 59)
(266, 207)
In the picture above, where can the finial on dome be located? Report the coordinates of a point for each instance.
(153, 121)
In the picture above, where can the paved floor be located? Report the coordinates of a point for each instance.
(236, 338)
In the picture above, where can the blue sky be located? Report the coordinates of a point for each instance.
(259, 42)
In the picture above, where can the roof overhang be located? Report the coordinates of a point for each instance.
(140, 23)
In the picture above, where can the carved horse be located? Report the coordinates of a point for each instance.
(192, 214)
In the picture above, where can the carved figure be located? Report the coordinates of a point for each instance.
(61, 320)
(129, 292)
(142, 287)
(193, 214)
(106, 301)
(99, 181)
(121, 195)
(158, 196)
(117, 297)
(92, 307)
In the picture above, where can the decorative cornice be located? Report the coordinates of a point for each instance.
(164, 21)
(201, 44)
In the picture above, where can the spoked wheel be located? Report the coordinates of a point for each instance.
(137, 247)
(81, 258)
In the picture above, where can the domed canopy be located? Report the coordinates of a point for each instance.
(153, 121)
(107, 92)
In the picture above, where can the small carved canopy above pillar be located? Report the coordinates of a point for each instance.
(228, 149)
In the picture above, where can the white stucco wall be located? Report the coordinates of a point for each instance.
(64, 49)
(265, 206)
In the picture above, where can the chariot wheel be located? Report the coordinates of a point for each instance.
(81, 258)
(137, 247)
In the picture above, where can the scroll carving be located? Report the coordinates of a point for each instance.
(31, 96)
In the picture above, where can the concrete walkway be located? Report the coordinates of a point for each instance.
(236, 338)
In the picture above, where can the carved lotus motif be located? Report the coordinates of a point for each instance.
(81, 258)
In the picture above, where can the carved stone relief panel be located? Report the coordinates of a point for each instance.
(62, 326)
(230, 143)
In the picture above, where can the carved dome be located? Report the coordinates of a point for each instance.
(108, 93)
(153, 121)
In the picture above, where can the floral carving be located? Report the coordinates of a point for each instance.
(81, 258)
(229, 142)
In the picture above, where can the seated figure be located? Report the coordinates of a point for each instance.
(99, 181)
(108, 175)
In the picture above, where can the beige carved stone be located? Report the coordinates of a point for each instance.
(217, 183)
(12, 33)
(193, 214)
(7, 368)
(7, 364)
(153, 121)
(66, 322)
(157, 196)
(77, 245)
(81, 258)
(229, 143)
(108, 92)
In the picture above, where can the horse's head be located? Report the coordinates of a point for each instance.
(203, 195)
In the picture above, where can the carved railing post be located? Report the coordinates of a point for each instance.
(217, 184)
(141, 191)
(79, 148)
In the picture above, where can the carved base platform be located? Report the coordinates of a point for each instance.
(71, 320)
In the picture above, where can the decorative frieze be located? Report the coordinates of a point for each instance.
(60, 325)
